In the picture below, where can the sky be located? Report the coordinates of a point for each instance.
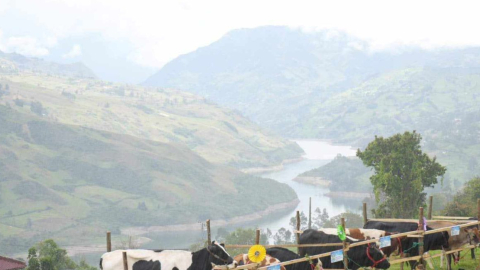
(130, 40)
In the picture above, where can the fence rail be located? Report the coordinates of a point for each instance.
(459, 221)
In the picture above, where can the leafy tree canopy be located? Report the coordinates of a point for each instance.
(402, 171)
(465, 201)
(52, 257)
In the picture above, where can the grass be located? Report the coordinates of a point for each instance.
(217, 134)
(56, 179)
(466, 262)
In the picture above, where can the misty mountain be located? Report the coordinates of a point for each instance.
(11, 63)
(329, 85)
(275, 75)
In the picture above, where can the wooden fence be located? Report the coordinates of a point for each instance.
(345, 246)
(420, 233)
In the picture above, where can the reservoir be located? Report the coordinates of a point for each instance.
(317, 153)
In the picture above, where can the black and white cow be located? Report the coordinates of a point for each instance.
(140, 259)
(359, 256)
(434, 241)
(283, 255)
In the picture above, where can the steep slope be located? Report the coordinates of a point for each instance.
(342, 173)
(277, 75)
(14, 63)
(266, 72)
(74, 183)
(440, 103)
(165, 115)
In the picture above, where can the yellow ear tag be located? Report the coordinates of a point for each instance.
(257, 253)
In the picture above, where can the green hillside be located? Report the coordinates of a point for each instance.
(329, 85)
(220, 135)
(344, 173)
(441, 104)
(74, 183)
(280, 77)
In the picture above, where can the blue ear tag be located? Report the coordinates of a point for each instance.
(455, 231)
(274, 267)
(385, 241)
(336, 256)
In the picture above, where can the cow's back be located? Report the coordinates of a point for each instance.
(317, 237)
(243, 259)
(391, 226)
(283, 255)
(141, 259)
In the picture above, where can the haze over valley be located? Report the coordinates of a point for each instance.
(109, 125)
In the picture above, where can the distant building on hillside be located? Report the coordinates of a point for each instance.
(11, 264)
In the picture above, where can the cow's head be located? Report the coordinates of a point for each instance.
(219, 256)
(376, 258)
(396, 247)
(474, 235)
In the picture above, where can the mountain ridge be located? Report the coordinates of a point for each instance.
(14, 62)
(273, 74)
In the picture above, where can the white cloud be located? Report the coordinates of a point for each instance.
(25, 45)
(2, 47)
(161, 30)
(74, 52)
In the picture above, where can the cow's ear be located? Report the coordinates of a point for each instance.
(214, 242)
(222, 244)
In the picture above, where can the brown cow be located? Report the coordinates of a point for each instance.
(368, 234)
(242, 259)
(468, 235)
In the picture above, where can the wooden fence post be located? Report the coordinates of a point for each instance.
(209, 233)
(430, 206)
(310, 213)
(109, 241)
(345, 257)
(257, 237)
(365, 219)
(125, 262)
(298, 229)
(420, 239)
(472, 252)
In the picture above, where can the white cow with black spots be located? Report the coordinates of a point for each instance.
(139, 259)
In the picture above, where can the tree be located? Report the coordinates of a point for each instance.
(33, 263)
(221, 234)
(19, 102)
(142, 206)
(47, 263)
(283, 236)
(465, 201)
(402, 171)
(244, 236)
(83, 265)
(320, 218)
(52, 257)
(36, 107)
(303, 222)
(352, 220)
